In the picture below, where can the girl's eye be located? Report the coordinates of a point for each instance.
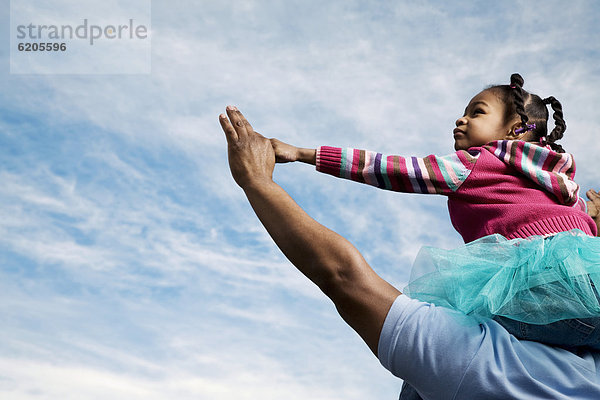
(478, 111)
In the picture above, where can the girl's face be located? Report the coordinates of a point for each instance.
(483, 122)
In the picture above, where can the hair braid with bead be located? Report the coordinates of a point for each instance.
(516, 84)
(531, 109)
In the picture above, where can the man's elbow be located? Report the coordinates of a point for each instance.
(345, 275)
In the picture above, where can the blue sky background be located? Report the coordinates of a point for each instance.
(131, 265)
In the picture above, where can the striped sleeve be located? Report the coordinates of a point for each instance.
(551, 170)
(427, 175)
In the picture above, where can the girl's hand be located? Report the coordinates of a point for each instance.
(593, 207)
(284, 152)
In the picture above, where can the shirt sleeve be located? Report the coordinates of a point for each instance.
(426, 175)
(427, 347)
(444, 354)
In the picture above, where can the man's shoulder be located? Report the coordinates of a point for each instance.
(420, 340)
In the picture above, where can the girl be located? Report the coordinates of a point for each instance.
(532, 258)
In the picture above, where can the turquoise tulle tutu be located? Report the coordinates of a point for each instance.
(535, 280)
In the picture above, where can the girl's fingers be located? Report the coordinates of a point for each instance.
(230, 132)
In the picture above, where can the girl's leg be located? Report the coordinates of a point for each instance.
(567, 333)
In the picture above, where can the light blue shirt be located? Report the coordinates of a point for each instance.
(445, 355)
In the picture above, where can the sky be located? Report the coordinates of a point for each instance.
(132, 266)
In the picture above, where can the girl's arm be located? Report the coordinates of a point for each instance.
(427, 175)
(285, 153)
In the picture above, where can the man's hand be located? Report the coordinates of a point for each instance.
(593, 207)
(251, 156)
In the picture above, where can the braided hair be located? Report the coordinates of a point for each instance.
(532, 109)
(559, 123)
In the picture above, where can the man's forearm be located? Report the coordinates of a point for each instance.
(361, 297)
(315, 250)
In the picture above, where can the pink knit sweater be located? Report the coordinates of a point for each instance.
(510, 187)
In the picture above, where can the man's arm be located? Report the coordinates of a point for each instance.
(361, 297)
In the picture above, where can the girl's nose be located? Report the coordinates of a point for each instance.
(461, 121)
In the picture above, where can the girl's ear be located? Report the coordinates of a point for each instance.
(512, 135)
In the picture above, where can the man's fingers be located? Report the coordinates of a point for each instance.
(592, 193)
(249, 128)
(245, 122)
(241, 125)
(237, 120)
(230, 132)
